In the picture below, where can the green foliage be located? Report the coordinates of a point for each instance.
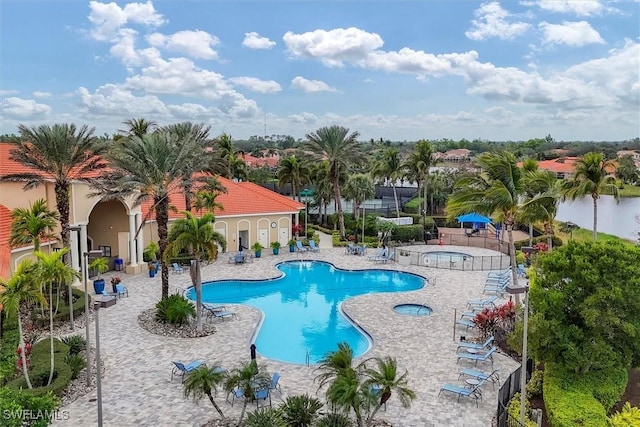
(406, 233)
(175, 309)
(63, 309)
(514, 338)
(275, 245)
(534, 386)
(301, 411)
(265, 417)
(413, 206)
(17, 401)
(100, 264)
(629, 416)
(76, 363)
(334, 420)
(8, 345)
(520, 257)
(151, 252)
(586, 313)
(555, 240)
(257, 247)
(76, 343)
(514, 410)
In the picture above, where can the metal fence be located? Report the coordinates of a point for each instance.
(452, 261)
(510, 387)
(488, 242)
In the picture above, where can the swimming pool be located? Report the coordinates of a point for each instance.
(440, 256)
(302, 307)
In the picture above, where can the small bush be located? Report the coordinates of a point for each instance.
(76, 343)
(17, 401)
(265, 417)
(629, 416)
(334, 420)
(8, 345)
(76, 363)
(301, 411)
(63, 309)
(534, 386)
(175, 309)
(405, 233)
(514, 410)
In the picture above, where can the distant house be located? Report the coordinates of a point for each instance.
(256, 162)
(563, 167)
(460, 155)
(635, 155)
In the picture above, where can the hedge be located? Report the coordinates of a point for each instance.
(406, 233)
(557, 242)
(14, 403)
(581, 399)
(63, 309)
(8, 346)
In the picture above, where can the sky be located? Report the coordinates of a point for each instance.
(394, 69)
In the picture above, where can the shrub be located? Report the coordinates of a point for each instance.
(175, 309)
(301, 411)
(405, 233)
(76, 363)
(63, 309)
(514, 410)
(534, 386)
(334, 420)
(629, 416)
(17, 402)
(8, 345)
(265, 417)
(76, 343)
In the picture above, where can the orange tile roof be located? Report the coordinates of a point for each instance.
(253, 161)
(5, 250)
(561, 165)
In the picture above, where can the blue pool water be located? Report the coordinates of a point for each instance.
(302, 307)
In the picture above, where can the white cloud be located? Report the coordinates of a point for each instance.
(196, 44)
(311, 86)
(41, 94)
(492, 21)
(108, 18)
(333, 47)
(307, 119)
(6, 92)
(190, 111)
(257, 85)
(23, 109)
(578, 7)
(114, 100)
(253, 40)
(570, 33)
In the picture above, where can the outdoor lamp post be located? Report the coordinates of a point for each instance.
(85, 276)
(96, 307)
(306, 193)
(523, 369)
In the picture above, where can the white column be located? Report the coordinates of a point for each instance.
(133, 260)
(140, 239)
(75, 261)
(83, 239)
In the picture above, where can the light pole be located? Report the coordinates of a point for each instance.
(85, 276)
(96, 307)
(523, 368)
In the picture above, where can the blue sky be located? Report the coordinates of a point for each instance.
(400, 70)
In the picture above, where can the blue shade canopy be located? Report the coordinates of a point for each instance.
(474, 217)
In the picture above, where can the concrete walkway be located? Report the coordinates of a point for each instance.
(136, 390)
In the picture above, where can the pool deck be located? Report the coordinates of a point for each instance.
(136, 386)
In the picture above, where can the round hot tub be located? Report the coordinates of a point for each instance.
(413, 309)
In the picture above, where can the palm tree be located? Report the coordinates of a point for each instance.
(323, 192)
(340, 149)
(591, 177)
(385, 380)
(529, 166)
(50, 271)
(247, 378)
(204, 381)
(150, 167)
(419, 161)
(390, 168)
(21, 289)
(495, 191)
(295, 172)
(232, 166)
(333, 363)
(138, 127)
(542, 200)
(32, 225)
(60, 153)
(197, 237)
(359, 187)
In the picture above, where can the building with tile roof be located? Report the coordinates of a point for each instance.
(120, 228)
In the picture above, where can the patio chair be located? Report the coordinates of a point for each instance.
(350, 249)
(262, 394)
(381, 253)
(181, 369)
(466, 323)
(389, 257)
(482, 303)
(312, 246)
(239, 258)
(483, 346)
(498, 274)
(521, 270)
(219, 312)
(176, 268)
(274, 382)
(478, 357)
(235, 393)
(492, 377)
(122, 290)
(299, 246)
(472, 393)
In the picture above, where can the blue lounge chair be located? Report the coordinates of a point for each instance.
(122, 290)
(300, 247)
(478, 357)
(274, 382)
(484, 346)
(472, 393)
(521, 270)
(312, 246)
(181, 369)
(236, 393)
(382, 252)
(218, 312)
(482, 303)
(262, 394)
(391, 254)
(176, 268)
(479, 375)
(466, 323)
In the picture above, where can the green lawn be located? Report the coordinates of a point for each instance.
(583, 234)
(628, 190)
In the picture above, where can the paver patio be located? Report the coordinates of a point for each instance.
(136, 389)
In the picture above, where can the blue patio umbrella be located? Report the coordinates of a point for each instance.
(474, 217)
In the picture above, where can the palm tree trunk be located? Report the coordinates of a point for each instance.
(512, 256)
(244, 409)
(51, 332)
(395, 197)
(198, 286)
(595, 218)
(215, 405)
(336, 191)
(530, 234)
(162, 217)
(23, 355)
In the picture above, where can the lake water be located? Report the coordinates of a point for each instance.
(613, 218)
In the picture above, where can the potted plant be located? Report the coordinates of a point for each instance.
(101, 265)
(153, 268)
(275, 247)
(151, 252)
(257, 249)
(292, 245)
(115, 280)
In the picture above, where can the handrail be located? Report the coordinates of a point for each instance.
(307, 359)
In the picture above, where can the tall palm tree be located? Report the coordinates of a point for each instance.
(591, 177)
(359, 187)
(390, 168)
(340, 149)
(294, 171)
(542, 200)
(32, 225)
(247, 378)
(204, 381)
(50, 271)
(495, 191)
(323, 192)
(232, 167)
(530, 166)
(21, 289)
(386, 380)
(60, 153)
(197, 237)
(149, 168)
(420, 160)
(138, 127)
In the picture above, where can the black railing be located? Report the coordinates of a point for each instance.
(510, 387)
